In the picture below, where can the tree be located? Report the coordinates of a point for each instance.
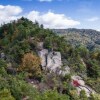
(83, 95)
(31, 63)
(3, 63)
(93, 69)
(18, 50)
(54, 95)
(83, 51)
(74, 95)
(6, 95)
(94, 97)
(3, 66)
(20, 89)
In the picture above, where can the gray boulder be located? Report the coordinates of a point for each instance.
(43, 55)
(54, 61)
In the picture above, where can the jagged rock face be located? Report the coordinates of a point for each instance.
(43, 55)
(51, 60)
(54, 61)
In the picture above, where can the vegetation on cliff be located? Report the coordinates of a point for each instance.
(20, 64)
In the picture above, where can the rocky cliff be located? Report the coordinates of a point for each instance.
(51, 60)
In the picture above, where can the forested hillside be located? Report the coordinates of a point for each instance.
(87, 37)
(26, 73)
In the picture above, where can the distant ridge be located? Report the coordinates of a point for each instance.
(88, 37)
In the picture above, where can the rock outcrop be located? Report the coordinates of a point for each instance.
(43, 55)
(51, 60)
(54, 62)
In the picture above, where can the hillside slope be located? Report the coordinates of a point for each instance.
(88, 37)
(37, 64)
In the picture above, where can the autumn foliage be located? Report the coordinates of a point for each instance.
(31, 64)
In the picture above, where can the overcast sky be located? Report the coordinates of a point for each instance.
(54, 13)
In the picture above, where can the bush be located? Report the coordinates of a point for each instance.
(53, 95)
(6, 95)
(31, 64)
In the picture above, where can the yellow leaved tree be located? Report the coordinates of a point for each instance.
(31, 64)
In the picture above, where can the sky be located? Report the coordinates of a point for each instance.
(58, 14)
